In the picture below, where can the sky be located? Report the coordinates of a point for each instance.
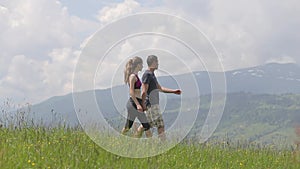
(41, 41)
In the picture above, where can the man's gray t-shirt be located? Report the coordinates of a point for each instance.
(153, 91)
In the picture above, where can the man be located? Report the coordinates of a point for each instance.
(150, 96)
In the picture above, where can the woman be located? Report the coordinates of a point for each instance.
(134, 104)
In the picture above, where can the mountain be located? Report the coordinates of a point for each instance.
(252, 94)
(259, 118)
(272, 78)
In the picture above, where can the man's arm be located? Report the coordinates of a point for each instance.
(144, 94)
(167, 90)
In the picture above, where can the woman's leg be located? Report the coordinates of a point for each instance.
(130, 117)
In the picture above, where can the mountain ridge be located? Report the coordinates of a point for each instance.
(247, 81)
(259, 83)
(163, 79)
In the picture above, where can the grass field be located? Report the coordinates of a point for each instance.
(70, 148)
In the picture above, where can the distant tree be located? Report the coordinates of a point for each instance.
(297, 142)
(296, 152)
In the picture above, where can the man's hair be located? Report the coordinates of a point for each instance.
(151, 59)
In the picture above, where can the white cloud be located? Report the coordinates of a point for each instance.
(283, 59)
(112, 12)
(59, 70)
(34, 25)
(37, 80)
(3, 9)
(23, 77)
(40, 40)
(246, 33)
(234, 31)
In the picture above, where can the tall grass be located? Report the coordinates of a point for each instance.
(38, 147)
(25, 145)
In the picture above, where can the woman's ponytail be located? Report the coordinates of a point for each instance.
(130, 66)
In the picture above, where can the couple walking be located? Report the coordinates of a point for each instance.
(144, 97)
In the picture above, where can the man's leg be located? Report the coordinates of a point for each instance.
(148, 133)
(161, 133)
(158, 121)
